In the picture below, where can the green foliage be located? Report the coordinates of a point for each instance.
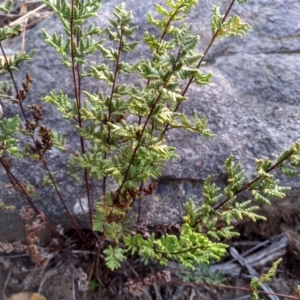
(5, 207)
(257, 282)
(58, 140)
(219, 210)
(232, 27)
(5, 90)
(201, 275)
(64, 104)
(10, 64)
(114, 257)
(47, 179)
(122, 129)
(93, 285)
(8, 128)
(72, 20)
(6, 32)
(6, 7)
(289, 161)
(190, 248)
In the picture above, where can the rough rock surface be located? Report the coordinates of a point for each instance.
(252, 103)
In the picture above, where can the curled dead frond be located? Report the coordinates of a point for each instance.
(80, 276)
(26, 213)
(6, 247)
(12, 247)
(7, 161)
(40, 222)
(31, 236)
(136, 287)
(19, 247)
(82, 279)
(37, 225)
(35, 255)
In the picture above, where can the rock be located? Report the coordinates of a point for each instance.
(251, 105)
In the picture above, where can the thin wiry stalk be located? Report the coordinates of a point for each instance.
(144, 127)
(40, 154)
(237, 288)
(110, 100)
(24, 192)
(165, 32)
(191, 80)
(248, 185)
(77, 226)
(148, 82)
(76, 77)
(161, 39)
(15, 86)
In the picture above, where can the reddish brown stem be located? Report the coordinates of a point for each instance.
(36, 209)
(164, 33)
(191, 80)
(76, 79)
(145, 126)
(44, 162)
(110, 100)
(247, 186)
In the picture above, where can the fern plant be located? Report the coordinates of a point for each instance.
(122, 131)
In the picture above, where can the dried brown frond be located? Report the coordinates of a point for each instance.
(150, 189)
(26, 213)
(31, 236)
(6, 247)
(35, 255)
(21, 96)
(7, 162)
(28, 77)
(136, 287)
(30, 126)
(82, 279)
(163, 276)
(46, 137)
(19, 247)
(43, 144)
(60, 230)
(17, 186)
(37, 112)
(39, 223)
(159, 230)
(10, 247)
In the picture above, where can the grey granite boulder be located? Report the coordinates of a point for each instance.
(251, 104)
